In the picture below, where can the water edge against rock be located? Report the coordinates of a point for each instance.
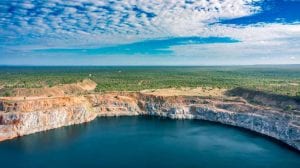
(146, 141)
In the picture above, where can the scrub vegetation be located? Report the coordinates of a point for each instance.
(281, 80)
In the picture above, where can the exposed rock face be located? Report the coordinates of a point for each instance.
(284, 127)
(28, 116)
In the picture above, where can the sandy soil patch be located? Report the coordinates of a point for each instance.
(199, 91)
(59, 90)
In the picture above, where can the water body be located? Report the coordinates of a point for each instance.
(147, 142)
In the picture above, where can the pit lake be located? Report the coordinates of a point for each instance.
(147, 142)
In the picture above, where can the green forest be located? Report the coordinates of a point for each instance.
(279, 79)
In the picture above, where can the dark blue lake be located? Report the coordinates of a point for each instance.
(147, 142)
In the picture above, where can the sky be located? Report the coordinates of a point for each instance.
(149, 32)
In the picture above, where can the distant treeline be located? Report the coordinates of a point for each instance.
(283, 80)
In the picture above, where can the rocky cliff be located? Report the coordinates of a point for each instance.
(21, 117)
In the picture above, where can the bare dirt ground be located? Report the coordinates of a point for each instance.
(86, 87)
(59, 90)
(199, 91)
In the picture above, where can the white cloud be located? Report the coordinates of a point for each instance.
(260, 44)
(133, 17)
(62, 23)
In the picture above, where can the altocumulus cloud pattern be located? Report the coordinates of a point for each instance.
(166, 32)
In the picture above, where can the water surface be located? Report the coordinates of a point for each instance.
(147, 142)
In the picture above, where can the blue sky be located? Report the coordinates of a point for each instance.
(148, 32)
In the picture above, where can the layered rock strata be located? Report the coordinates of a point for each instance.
(19, 118)
(22, 117)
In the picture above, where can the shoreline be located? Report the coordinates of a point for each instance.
(23, 117)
